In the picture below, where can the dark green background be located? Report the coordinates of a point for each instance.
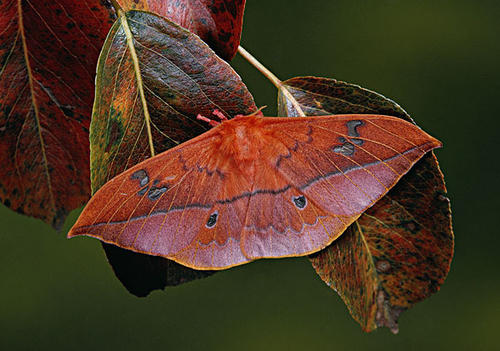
(439, 60)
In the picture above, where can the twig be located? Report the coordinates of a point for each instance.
(270, 75)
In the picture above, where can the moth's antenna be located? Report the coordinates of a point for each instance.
(223, 117)
(256, 113)
(212, 122)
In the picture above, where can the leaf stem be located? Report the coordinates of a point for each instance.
(267, 73)
(276, 82)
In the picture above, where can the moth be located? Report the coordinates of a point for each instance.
(254, 187)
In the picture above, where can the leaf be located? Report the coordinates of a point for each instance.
(48, 55)
(141, 274)
(399, 251)
(153, 78)
(217, 22)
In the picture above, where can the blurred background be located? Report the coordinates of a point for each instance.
(439, 60)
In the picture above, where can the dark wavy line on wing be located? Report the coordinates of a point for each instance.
(354, 168)
(257, 192)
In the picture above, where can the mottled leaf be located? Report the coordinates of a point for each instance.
(399, 251)
(217, 22)
(48, 55)
(153, 78)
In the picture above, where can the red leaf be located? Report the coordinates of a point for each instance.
(217, 22)
(48, 54)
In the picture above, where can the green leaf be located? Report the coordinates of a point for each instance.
(399, 251)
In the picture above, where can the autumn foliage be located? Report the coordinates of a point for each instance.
(347, 162)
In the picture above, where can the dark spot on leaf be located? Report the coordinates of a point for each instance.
(225, 36)
(106, 3)
(114, 134)
(383, 266)
(68, 111)
(411, 226)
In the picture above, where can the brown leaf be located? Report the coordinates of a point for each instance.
(399, 251)
(153, 78)
(217, 22)
(48, 55)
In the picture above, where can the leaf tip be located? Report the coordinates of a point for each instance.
(387, 315)
(58, 221)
